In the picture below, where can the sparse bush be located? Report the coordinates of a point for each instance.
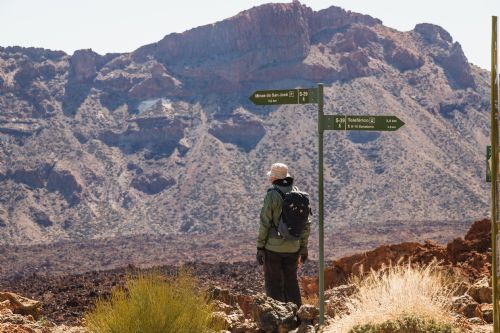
(152, 303)
(406, 324)
(401, 298)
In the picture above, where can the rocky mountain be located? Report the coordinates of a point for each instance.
(164, 140)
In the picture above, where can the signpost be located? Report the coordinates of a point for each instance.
(494, 173)
(289, 96)
(362, 123)
(325, 122)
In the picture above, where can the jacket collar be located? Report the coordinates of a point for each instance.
(286, 182)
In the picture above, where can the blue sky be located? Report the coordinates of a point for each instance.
(122, 26)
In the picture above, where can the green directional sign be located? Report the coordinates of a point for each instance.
(289, 96)
(361, 123)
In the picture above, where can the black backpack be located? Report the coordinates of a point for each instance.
(294, 213)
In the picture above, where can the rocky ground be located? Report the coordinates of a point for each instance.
(147, 250)
(468, 257)
(64, 299)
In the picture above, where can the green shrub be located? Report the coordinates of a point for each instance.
(151, 303)
(406, 324)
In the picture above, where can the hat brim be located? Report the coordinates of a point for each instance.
(287, 175)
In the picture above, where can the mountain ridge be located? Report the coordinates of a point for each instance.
(160, 141)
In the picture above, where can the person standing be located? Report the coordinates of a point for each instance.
(277, 251)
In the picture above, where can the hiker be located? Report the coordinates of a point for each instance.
(282, 242)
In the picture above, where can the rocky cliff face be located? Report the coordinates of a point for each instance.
(164, 139)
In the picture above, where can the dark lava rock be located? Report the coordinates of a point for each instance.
(402, 58)
(355, 38)
(65, 182)
(159, 135)
(67, 224)
(26, 74)
(54, 178)
(273, 316)
(34, 178)
(355, 64)
(152, 183)
(242, 129)
(153, 87)
(47, 70)
(41, 218)
(83, 65)
(434, 34)
(457, 67)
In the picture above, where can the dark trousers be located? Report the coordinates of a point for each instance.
(280, 277)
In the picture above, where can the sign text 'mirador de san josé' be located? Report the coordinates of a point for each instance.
(288, 96)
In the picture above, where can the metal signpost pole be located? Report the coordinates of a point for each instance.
(320, 208)
(494, 172)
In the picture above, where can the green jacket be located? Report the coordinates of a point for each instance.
(269, 218)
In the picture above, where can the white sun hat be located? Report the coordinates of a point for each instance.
(278, 171)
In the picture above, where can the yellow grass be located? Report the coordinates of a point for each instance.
(397, 292)
(152, 303)
(311, 300)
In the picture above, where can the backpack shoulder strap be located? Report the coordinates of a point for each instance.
(282, 195)
(275, 188)
(280, 192)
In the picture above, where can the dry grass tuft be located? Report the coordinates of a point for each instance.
(397, 292)
(311, 300)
